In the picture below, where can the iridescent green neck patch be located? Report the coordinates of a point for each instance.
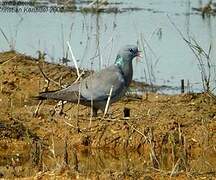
(119, 61)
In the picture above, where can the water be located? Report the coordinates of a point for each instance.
(167, 55)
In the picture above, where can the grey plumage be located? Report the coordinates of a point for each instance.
(97, 86)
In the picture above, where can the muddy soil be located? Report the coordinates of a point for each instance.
(164, 137)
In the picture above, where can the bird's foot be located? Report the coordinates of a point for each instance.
(93, 112)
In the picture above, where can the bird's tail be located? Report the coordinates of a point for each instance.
(71, 96)
(44, 95)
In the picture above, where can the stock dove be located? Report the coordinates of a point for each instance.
(95, 89)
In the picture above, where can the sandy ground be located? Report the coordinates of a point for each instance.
(164, 137)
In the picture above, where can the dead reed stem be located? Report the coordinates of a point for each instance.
(108, 101)
(74, 59)
(199, 53)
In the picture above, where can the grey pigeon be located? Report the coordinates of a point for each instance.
(96, 87)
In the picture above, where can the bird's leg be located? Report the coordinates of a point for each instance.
(95, 112)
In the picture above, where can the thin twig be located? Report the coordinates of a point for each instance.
(69, 124)
(82, 73)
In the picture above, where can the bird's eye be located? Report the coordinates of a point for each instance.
(131, 50)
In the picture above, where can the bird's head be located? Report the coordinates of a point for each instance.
(127, 54)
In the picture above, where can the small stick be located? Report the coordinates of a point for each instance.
(93, 2)
(182, 86)
(73, 58)
(108, 102)
(69, 124)
(35, 113)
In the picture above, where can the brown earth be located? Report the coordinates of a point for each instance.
(165, 137)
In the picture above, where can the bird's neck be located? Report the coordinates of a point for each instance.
(125, 68)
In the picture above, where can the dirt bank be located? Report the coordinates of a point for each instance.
(164, 136)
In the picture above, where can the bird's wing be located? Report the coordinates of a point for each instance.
(70, 93)
(98, 85)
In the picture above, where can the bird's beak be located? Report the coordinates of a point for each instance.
(138, 54)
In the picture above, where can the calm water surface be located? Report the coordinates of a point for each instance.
(95, 39)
